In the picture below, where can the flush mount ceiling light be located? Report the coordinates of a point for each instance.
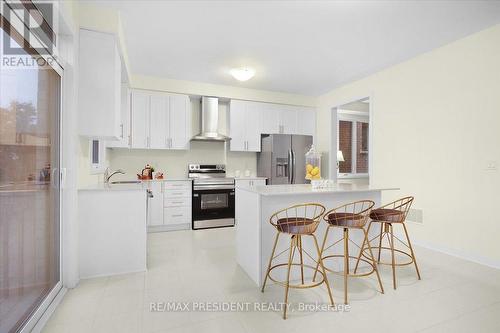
(242, 74)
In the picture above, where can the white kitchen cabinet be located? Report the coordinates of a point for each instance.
(249, 182)
(99, 82)
(288, 119)
(160, 121)
(179, 122)
(270, 118)
(306, 121)
(172, 209)
(155, 204)
(159, 127)
(140, 103)
(245, 126)
(124, 141)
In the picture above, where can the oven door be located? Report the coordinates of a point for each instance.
(213, 207)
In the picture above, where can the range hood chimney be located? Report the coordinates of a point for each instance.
(210, 121)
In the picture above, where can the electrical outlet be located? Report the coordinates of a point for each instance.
(491, 166)
(415, 215)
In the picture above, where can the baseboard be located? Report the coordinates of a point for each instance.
(459, 254)
(48, 313)
(172, 227)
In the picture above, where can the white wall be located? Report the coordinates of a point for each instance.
(436, 126)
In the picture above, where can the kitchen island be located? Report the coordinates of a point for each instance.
(255, 235)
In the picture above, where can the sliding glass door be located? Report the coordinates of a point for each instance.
(29, 185)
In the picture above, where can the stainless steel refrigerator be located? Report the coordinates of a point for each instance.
(282, 158)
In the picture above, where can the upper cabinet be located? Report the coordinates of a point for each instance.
(248, 120)
(159, 120)
(245, 126)
(124, 139)
(99, 86)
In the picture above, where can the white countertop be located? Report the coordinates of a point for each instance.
(114, 187)
(270, 190)
(249, 178)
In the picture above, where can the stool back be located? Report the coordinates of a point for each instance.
(298, 219)
(402, 206)
(353, 214)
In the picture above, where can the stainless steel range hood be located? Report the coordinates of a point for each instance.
(210, 121)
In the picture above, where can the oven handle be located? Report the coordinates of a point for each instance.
(213, 187)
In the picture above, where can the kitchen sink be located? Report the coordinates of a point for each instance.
(127, 182)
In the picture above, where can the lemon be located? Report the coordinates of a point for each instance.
(315, 171)
(309, 168)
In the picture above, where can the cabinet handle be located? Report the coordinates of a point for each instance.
(121, 127)
(177, 193)
(177, 215)
(176, 202)
(170, 143)
(148, 141)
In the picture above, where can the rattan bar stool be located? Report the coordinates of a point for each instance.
(393, 213)
(297, 221)
(353, 215)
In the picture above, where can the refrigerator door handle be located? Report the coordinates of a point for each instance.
(293, 167)
(289, 166)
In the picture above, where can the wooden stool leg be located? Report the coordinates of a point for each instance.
(320, 262)
(321, 252)
(290, 259)
(379, 242)
(346, 262)
(373, 260)
(411, 250)
(270, 261)
(392, 257)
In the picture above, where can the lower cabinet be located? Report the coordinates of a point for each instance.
(249, 182)
(171, 208)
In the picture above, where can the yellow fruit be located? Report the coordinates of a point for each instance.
(309, 168)
(308, 176)
(315, 171)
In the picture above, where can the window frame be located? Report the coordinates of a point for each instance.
(354, 118)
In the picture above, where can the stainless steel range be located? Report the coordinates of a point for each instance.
(213, 196)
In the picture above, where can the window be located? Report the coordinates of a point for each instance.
(353, 134)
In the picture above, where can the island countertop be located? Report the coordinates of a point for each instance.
(272, 190)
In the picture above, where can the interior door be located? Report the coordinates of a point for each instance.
(300, 146)
(179, 122)
(280, 159)
(140, 119)
(159, 114)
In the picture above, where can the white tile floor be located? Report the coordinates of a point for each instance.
(453, 296)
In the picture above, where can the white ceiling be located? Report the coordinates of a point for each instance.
(305, 47)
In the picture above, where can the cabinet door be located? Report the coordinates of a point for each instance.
(258, 182)
(270, 122)
(288, 119)
(124, 141)
(156, 204)
(99, 85)
(179, 122)
(237, 125)
(242, 183)
(140, 119)
(159, 113)
(253, 126)
(306, 121)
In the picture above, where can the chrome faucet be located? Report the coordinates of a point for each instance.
(107, 175)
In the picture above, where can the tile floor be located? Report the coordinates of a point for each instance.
(453, 296)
